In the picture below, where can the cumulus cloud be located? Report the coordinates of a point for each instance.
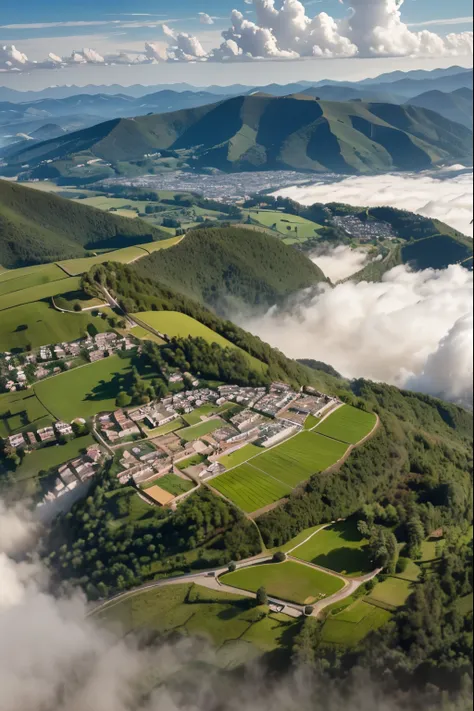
(406, 330)
(205, 19)
(444, 195)
(184, 47)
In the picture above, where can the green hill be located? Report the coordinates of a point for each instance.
(38, 227)
(262, 132)
(456, 106)
(213, 265)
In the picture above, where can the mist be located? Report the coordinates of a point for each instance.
(446, 195)
(55, 658)
(341, 262)
(413, 329)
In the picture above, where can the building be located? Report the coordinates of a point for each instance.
(63, 429)
(245, 419)
(46, 434)
(16, 441)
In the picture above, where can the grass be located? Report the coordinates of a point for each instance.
(348, 424)
(288, 581)
(299, 539)
(84, 392)
(75, 267)
(339, 547)
(24, 403)
(242, 455)
(353, 624)
(194, 461)
(38, 293)
(429, 549)
(165, 429)
(177, 325)
(194, 418)
(299, 458)
(280, 222)
(393, 592)
(250, 489)
(189, 434)
(144, 335)
(311, 422)
(464, 604)
(51, 457)
(28, 277)
(39, 324)
(174, 484)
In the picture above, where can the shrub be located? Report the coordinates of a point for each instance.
(402, 564)
(279, 557)
(308, 610)
(232, 567)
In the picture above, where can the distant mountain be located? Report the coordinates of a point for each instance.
(456, 106)
(333, 92)
(243, 265)
(416, 74)
(37, 227)
(261, 133)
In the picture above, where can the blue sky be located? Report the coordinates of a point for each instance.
(113, 26)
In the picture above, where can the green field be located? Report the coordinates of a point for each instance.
(293, 227)
(178, 325)
(194, 418)
(166, 429)
(300, 457)
(339, 547)
(51, 457)
(348, 424)
(288, 581)
(75, 267)
(242, 455)
(299, 539)
(194, 461)
(393, 592)
(28, 277)
(18, 410)
(38, 293)
(249, 488)
(39, 324)
(174, 484)
(189, 434)
(86, 391)
(352, 625)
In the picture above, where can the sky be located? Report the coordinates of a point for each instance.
(47, 42)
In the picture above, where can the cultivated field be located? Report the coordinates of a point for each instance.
(242, 455)
(28, 277)
(38, 293)
(352, 625)
(39, 324)
(194, 418)
(174, 484)
(339, 547)
(393, 592)
(249, 488)
(189, 434)
(86, 391)
(348, 424)
(288, 581)
(291, 227)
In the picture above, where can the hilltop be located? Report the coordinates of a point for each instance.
(259, 132)
(213, 265)
(455, 106)
(37, 227)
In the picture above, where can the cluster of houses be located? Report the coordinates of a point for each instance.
(76, 472)
(117, 427)
(45, 435)
(365, 230)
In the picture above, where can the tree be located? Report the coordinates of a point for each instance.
(279, 557)
(232, 567)
(123, 400)
(416, 536)
(262, 596)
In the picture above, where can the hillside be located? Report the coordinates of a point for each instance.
(456, 106)
(215, 265)
(37, 227)
(262, 132)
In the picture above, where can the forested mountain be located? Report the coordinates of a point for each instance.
(262, 132)
(37, 227)
(239, 265)
(455, 106)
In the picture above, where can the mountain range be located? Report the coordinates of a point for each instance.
(259, 132)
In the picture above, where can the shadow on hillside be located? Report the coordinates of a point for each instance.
(344, 560)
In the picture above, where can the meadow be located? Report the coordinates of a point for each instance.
(189, 434)
(39, 324)
(291, 227)
(86, 391)
(393, 592)
(28, 277)
(348, 424)
(240, 456)
(174, 484)
(249, 488)
(195, 417)
(339, 547)
(353, 624)
(173, 426)
(177, 325)
(38, 293)
(292, 582)
(18, 410)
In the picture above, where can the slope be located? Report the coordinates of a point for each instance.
(215, 265)
(265, 132)
(38, 227)
(456, 106)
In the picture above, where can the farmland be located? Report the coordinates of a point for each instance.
(348, 424)
(339, 547)
(38, 324)
(174, 484)
(352, 625)
(28, 277)
(189, 434)
(18, 410)
(86, 391)
(291, 227)
(288, 581)
(249, 488)
(195, 417)
(178, 325)
(242, 455)
(37, 293)
(393, 592)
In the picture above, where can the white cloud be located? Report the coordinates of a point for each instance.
(444, 195)
(406, 330)
(205, 19)
(184, 47)
(340, 262)
(443, 22)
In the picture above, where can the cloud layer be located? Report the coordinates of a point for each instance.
(371, 28)
(412, 330)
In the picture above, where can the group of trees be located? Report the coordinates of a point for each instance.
(140, 391)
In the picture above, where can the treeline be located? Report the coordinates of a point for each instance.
(112, 541)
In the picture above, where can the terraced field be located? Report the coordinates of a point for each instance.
(348, 424)
(288, 581)
(249, 488)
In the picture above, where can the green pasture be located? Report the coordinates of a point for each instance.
(174, 484)
(353, 624)
(340, 548)
(242, 455)
(173, 426)
(189, 434)
(195, 417)
(250, 489)
(38, 293)
(292, 582)
(193, 461)
(348, 424)
(393, 592)
(299, 539)
(86, 391)
(76, 267)
(289, 226)
(39, 324)
(29, 277)
(19, 410)
(300, 457)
